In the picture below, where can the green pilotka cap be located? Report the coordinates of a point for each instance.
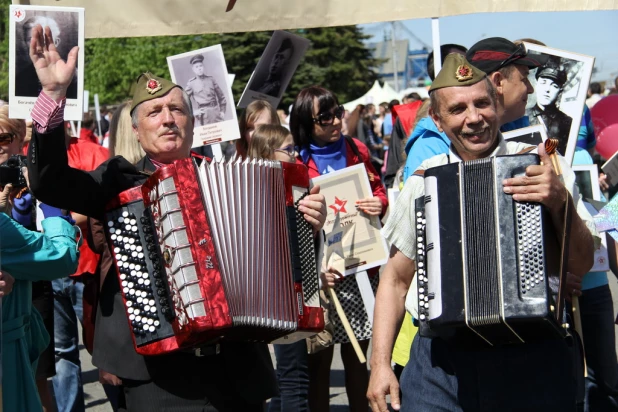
(456, 71)
(150, 87)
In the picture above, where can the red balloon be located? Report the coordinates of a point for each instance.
(607, 141)
(605, 119)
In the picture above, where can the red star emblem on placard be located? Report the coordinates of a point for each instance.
(339, 205)
(18, 13)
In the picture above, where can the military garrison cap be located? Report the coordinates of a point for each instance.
(558, 75)
(198, 58)
(456, 71)
(150, 87)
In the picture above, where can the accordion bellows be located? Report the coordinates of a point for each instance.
(216, 251)
(487, 266)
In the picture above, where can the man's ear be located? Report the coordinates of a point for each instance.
(135, 132)
(436, 119)
(497, 79)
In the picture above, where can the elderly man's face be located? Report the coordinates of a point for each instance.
(165, 127)
(546, 91)
(468, 117)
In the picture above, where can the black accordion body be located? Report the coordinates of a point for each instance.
(487, 266)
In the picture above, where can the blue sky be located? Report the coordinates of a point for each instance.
(594, 33)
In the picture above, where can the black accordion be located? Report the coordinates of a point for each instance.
(487, 266)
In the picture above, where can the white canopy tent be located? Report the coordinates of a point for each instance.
(376, 95)
(130, 18)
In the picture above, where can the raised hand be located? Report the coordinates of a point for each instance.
(54, 73)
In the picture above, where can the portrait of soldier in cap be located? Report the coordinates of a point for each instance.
(550, 81)
(276, 70)
(64, 29)
(209, 102)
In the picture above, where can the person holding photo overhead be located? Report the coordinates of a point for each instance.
(209, 99)
(315, 124)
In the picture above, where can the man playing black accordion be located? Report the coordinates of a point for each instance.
(232, 376)
(451, 374)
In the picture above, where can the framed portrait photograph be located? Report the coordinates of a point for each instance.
(587, 181)
(560, 88)
(67, 27)
(203, 75)
(275, 69)
(533, 135)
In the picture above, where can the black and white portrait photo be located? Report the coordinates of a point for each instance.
(533, 135)
(203, 75)
(560, 93)
(275, 68)
(587, 181)
(66, 27)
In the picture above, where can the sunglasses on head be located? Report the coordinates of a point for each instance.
(519, 53)
(6, 138)
(327, 118)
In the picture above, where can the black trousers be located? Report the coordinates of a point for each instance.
(182, 394)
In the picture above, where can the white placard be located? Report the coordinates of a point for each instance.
(203, 75)
(67, 28)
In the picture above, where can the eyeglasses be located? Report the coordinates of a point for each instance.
(327, 118)
(6, 138)
(516, 55)
(289, 150)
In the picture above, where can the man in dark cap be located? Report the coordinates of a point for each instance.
(550, 80)
(210, 103)
(226, 377)
(445, 375)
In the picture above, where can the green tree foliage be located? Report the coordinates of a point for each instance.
(337, 59)
(4, 49)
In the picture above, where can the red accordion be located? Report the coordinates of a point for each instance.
(216, 251)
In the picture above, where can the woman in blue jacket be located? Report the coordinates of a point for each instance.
(29, 256)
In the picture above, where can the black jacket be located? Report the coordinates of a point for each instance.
(247, 367)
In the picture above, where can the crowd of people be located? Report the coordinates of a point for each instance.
(65, 275)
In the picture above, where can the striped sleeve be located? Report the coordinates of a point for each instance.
(47, 114)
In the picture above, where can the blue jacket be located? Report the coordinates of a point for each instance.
(426, 141)
(29, 256)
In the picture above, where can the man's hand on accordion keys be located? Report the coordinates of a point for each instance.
(540, 185)
(313, 208)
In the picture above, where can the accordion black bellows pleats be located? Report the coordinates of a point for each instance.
(485, 263)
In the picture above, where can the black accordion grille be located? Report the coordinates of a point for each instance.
(141, 274)
(529, 246)
(303, 254)
(482, 280)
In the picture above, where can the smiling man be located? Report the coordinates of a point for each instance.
(445, 375)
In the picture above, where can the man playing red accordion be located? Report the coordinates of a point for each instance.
(234, 376)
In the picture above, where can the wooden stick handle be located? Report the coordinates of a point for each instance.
(577, 320)
(346, 326)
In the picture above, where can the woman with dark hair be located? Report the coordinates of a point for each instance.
(315, 123)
